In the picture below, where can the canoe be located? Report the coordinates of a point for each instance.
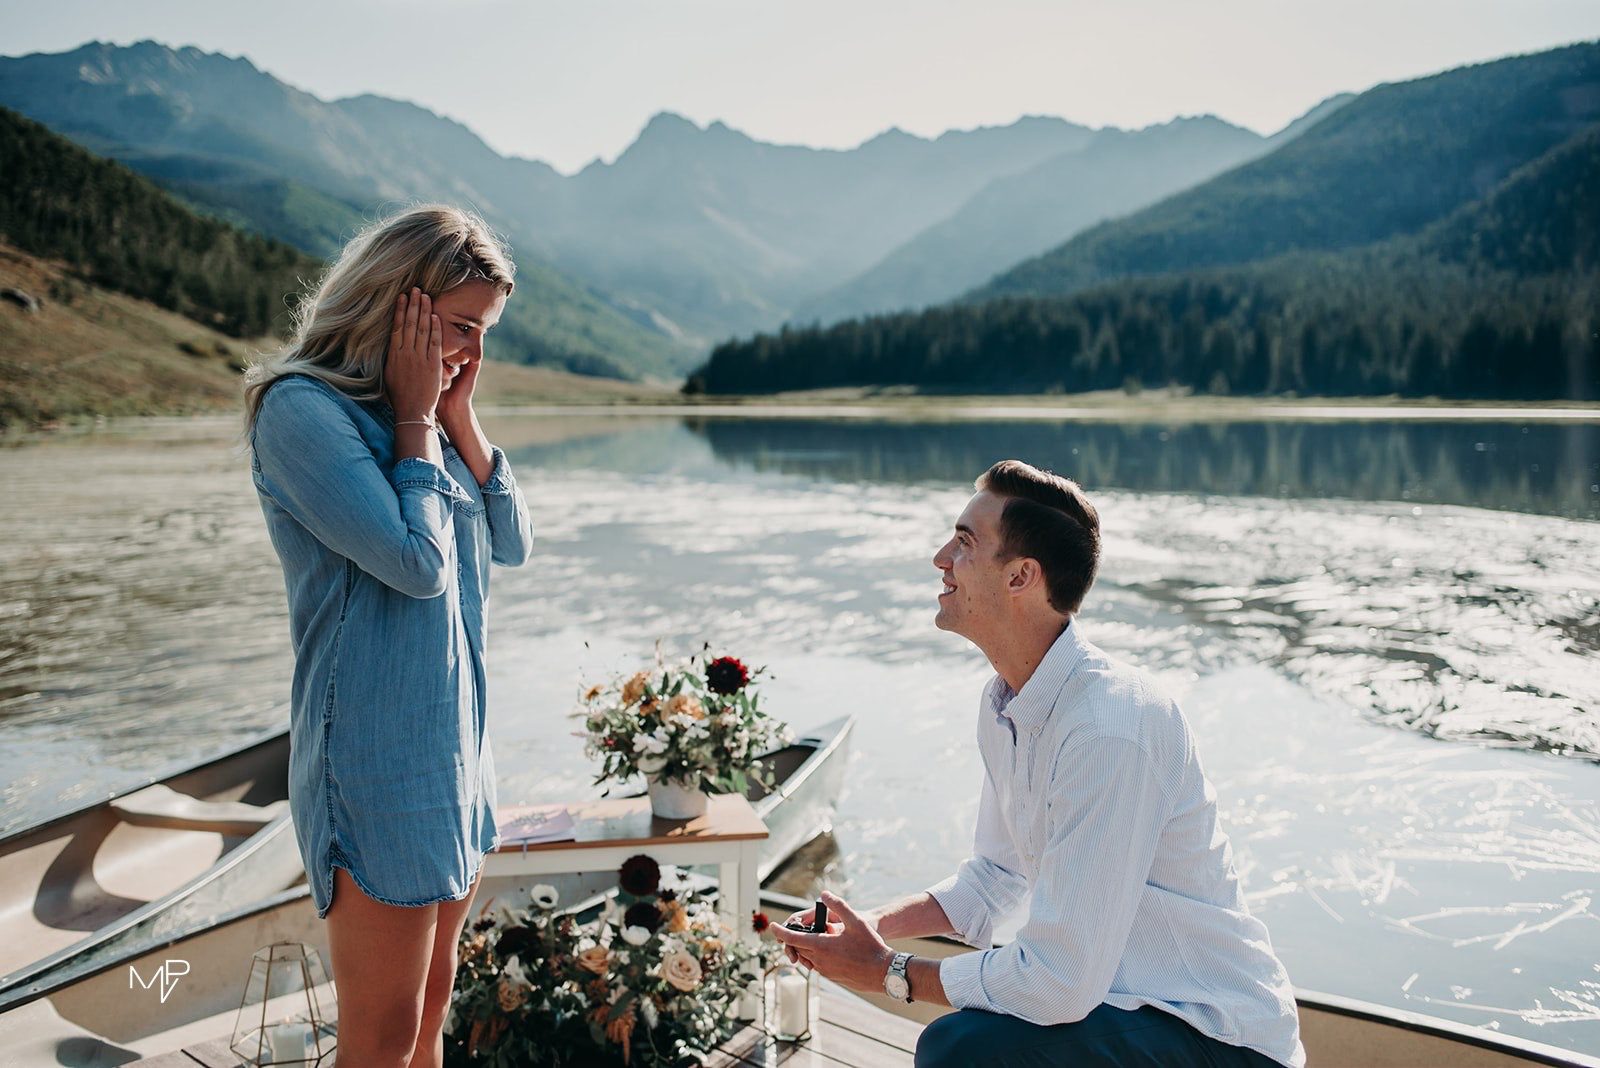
(1336, 1031)
(82, 1013)
(178, 846)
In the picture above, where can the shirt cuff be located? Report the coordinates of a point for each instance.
(962, 979)
(415, 471)
(500, 481)
(965, 910)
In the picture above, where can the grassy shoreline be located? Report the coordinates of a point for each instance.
(510, 391)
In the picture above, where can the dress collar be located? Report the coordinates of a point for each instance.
(1029, 709)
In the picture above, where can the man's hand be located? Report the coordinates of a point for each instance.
(851, 953)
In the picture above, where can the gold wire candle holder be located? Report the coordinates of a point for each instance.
(790, 1001)
(280, 1019)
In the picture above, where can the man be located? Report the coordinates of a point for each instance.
(1138, 947)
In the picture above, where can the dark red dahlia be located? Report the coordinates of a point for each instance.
(516, 940)
(640, 875)
(726, 675)
(642, 914)
(759, 922)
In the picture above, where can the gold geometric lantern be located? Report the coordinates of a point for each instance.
(791, 1001)
(280, 1020)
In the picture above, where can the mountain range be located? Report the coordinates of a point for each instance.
(1431, 237)
(636, 266)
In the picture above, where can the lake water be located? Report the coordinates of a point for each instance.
(1384, 633)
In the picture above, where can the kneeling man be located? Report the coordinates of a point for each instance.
(1138, 947)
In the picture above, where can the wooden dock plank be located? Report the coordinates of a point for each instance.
(213, 1054)
(841, 1007)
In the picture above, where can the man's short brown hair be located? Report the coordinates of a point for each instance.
(1047, 518)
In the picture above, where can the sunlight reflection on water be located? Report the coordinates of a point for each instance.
(143, 622)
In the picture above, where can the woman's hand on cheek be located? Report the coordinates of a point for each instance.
(455, 402)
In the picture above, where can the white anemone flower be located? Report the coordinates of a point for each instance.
(515, 972)
(544, 895)
(636, 936)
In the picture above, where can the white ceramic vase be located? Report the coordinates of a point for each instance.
(671, 800)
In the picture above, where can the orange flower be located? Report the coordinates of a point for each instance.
(620, 1031)
(688, 704)
(633, 689)
(595, 959)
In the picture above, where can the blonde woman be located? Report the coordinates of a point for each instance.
(386, 504)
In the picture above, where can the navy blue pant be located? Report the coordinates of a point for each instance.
(1106, 1038)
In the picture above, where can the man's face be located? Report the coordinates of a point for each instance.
(974, 600)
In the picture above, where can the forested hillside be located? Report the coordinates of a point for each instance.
(1390, 162)
(122, 232)
(1496, 300)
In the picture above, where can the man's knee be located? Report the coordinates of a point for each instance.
(955, 1040)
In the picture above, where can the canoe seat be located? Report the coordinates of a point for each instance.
(160, 805)
(37, 1034)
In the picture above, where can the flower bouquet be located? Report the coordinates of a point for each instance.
(653, 982)
(692, 729)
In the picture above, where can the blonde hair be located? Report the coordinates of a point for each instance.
(342, 324)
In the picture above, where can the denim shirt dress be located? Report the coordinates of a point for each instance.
(386, 563)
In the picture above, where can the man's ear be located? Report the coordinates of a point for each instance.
(1025, 575)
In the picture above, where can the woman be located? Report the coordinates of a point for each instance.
(386, 504)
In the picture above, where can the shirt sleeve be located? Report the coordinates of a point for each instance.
(989, 883)
(1107, 811)
(315, 465)
(510, 526)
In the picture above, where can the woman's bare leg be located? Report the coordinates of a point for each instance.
(429, 1051)
(380, 957)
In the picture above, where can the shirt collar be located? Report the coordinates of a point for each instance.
(1029, 709)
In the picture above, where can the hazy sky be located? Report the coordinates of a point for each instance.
(569, 81)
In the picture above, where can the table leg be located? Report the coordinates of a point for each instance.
(730, 887)
(749, 886)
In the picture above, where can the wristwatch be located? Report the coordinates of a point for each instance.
(897, 984)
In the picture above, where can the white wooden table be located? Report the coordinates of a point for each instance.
(610, 831)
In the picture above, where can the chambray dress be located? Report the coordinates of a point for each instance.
(386, 563)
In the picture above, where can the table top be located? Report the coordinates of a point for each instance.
(626, 821)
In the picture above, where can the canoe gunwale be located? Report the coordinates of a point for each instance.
(175, 770)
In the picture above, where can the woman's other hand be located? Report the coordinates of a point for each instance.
(412, 371)
(455, 400)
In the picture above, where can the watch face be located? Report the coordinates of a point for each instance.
(896, 987)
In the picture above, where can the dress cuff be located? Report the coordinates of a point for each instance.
(964, 908)
(500, 481)
(962, 979)
(415, 471)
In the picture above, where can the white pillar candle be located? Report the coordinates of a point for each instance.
(792, 1005)
(288, 1042)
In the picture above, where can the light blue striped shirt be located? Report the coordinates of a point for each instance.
(1094, 799)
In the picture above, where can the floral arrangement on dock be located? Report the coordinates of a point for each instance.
(697, 723)
(652, 982)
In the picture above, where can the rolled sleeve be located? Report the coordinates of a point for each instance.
(312, 461)
(1108, 810)
(988, 884)
(510, 525)
(414, 472)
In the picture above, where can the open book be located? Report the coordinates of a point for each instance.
(532, 824)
